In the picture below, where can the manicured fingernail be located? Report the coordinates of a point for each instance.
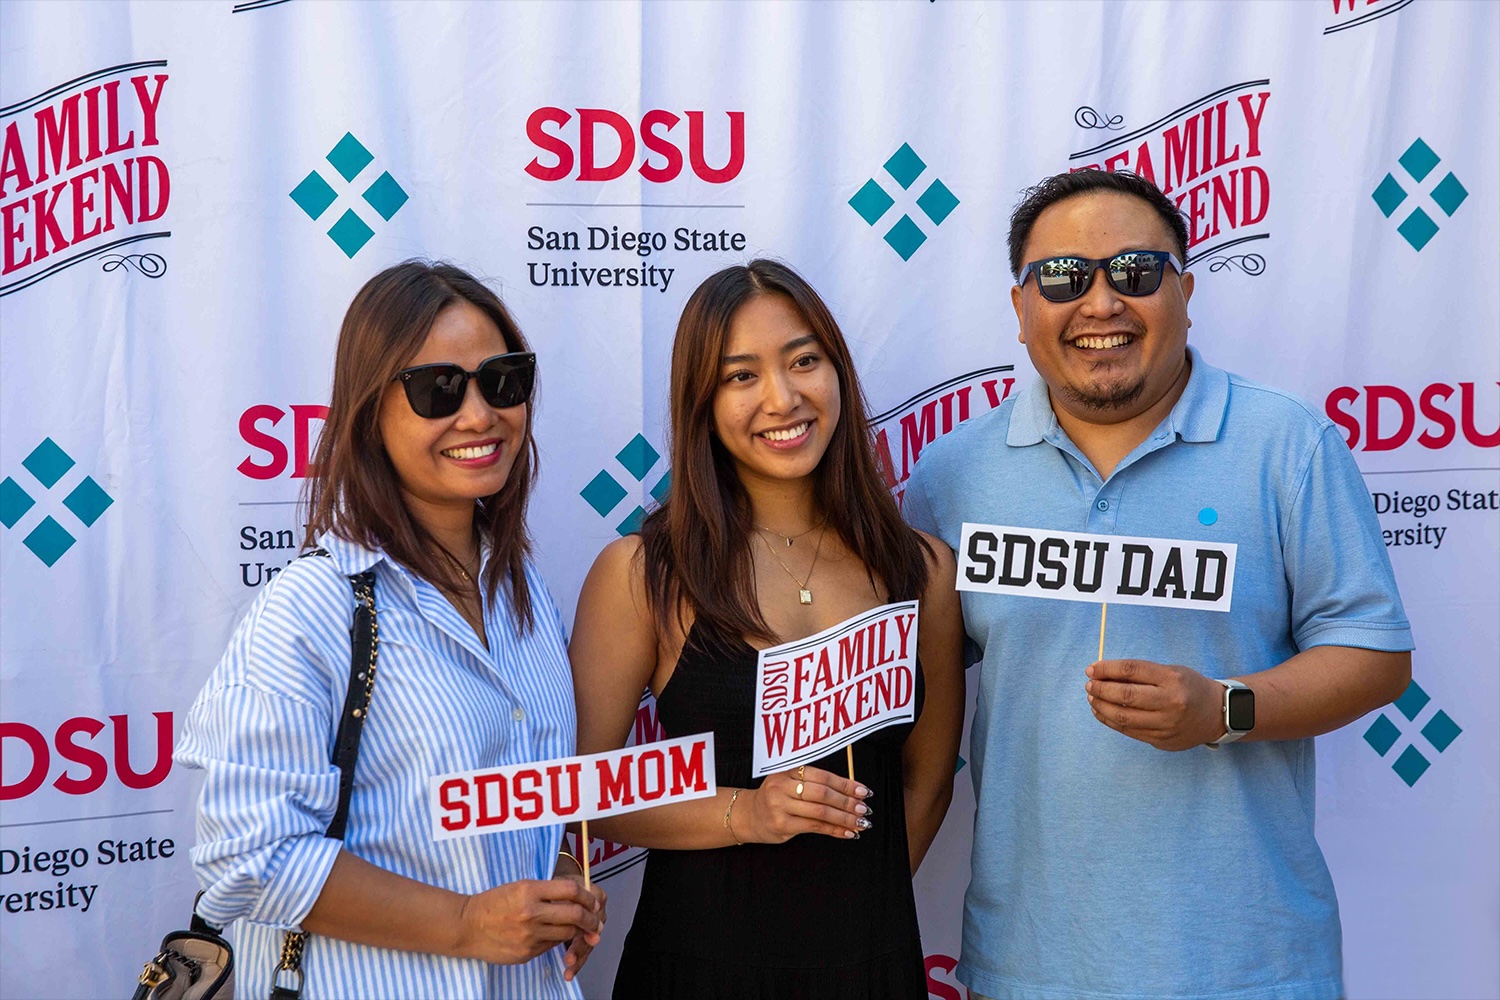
(863, 792)
(860, 809)
(856, 836)
(1089, 671)
(863, 823)
(850, 835)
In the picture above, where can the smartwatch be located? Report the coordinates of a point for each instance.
(1239, 713)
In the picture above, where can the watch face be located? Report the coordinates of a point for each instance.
(1241, 709)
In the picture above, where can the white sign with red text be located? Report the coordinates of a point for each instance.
(821, 693)
(1100, 569)
(569, 789)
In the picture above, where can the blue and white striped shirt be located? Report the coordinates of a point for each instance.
(263, 730)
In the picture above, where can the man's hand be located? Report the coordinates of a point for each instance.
(1169, 706)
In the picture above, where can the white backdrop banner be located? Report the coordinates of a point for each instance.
(191, 193)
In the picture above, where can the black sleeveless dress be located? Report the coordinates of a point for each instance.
(817, 917)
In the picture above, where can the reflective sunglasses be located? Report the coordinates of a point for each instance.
(438, 390)
(1134, 272)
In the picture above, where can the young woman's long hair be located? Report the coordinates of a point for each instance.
(354, 492)
(697, 543)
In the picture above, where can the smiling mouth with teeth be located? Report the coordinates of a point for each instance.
(1103, 343)
(790, 434)
(479, 451)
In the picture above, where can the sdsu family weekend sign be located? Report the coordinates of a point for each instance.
(818, 694)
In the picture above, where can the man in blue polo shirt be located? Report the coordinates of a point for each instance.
(1145, 822)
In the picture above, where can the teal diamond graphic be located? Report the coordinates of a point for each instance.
(14, 502)
(386, 196)
(87, 501)
(871, 202)
(638, 456)
(48, 463)
(313, 195)
(49, 540)
(1441, 731)
(1418, 229)
(905, 165)
(632, 523)
(1411, 765)
(603, 493)
(662, 488)
(349, 157)
(1449, 194)
(1419, 159)
(1389, 195)
(1412, 701)
(905, 237)
(1382, 735)
(350, 233)
(938, 202)
(961, 763)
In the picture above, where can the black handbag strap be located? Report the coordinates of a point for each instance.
(364, 639)
(364, 644)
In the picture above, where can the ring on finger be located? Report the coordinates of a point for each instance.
(799, 789)
(802, 773)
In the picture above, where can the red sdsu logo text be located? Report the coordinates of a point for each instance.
(939, 969)
(1438, 414)
(256, 425)
(661, 158)
(1202, 157)
(929, 415)
(26, 758)
(73, 170)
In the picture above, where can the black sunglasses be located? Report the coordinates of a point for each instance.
(438, 390)
(1134, 272)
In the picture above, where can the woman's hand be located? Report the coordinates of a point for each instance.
(802, 800)
(515, 922)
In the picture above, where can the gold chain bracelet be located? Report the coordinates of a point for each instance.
(728, 812)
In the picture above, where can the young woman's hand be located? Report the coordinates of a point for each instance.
(517, 921)
(582, 944)
(802, 800)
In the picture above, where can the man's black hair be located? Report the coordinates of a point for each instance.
(1065, 185)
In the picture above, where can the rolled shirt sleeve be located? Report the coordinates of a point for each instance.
(262, 731)
(1343, 590)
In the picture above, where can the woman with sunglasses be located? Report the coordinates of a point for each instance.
(424, 468)
(777, 527)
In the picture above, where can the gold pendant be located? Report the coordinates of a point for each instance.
(804, 595)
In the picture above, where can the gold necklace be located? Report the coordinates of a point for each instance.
(791, 538)
(804, 595)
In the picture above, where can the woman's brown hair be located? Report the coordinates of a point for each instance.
(697, 543)
(355, 493)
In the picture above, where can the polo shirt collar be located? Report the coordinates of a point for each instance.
(1198, 414)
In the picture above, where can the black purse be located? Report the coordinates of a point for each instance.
(198, 964)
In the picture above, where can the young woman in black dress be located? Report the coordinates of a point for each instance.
(777, 527)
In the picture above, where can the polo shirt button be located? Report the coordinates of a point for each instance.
(1102, 505)
(518, 714)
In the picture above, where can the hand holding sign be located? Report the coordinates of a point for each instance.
(830, 804)
(515, 922)
(1169, 706)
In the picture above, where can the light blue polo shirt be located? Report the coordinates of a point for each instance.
(1103, 867)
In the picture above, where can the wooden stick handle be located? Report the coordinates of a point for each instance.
(849, 754)
(1103, 614)
(584, 852)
